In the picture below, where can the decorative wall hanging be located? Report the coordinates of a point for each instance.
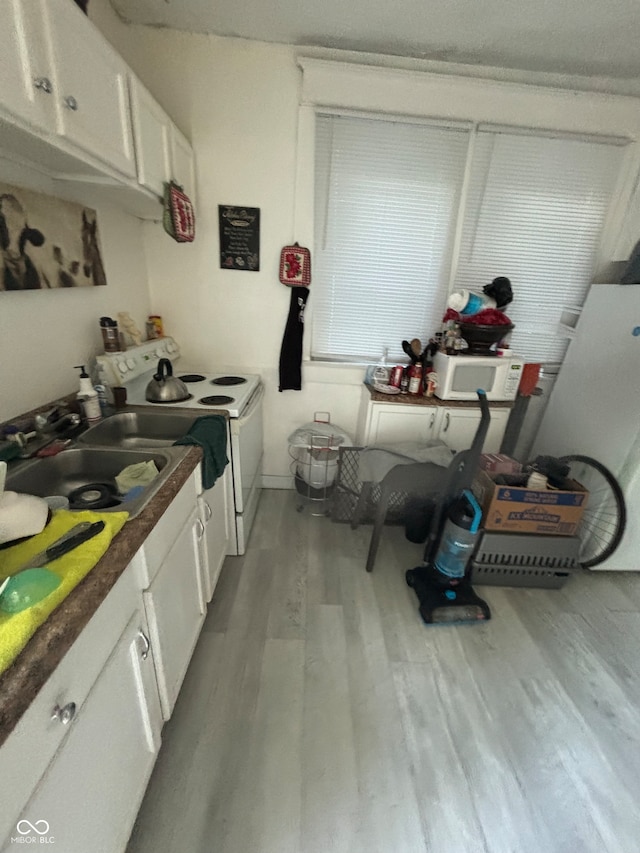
(239, 237)
(46, 242)
(295, 266)
(179, 218)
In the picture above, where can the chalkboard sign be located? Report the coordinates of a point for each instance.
(239, 237)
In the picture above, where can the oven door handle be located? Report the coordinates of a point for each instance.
(237, 423)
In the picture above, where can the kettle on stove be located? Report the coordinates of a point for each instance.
(165, 387)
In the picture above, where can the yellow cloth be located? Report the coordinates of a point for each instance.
(16, 629)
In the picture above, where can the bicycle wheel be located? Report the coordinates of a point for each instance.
(605, 517)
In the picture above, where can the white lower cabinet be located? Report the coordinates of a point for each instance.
(81, 755)
(390, 423)
(91, 792)
(214, 542)
(175, 607)
(458, 428)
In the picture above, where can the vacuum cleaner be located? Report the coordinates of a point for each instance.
(442, 583)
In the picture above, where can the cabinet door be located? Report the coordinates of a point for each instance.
(182, 165)
(25, 68)
(458, 428)
(91, 94)
(390, 423)
(214, 516)
(175, 607)
(151, 132)
(93, 788)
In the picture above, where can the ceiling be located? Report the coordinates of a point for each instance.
(585, 37)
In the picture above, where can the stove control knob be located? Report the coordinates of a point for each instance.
(122, 366)
(158, 352)
(131, 363)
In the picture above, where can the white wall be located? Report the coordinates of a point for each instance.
(238, 102)
(44, 333)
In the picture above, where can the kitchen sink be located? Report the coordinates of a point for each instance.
(83, 466)
(138, 429)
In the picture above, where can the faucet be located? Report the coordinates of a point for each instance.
(56, 419)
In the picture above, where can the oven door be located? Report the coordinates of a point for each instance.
(246, 450)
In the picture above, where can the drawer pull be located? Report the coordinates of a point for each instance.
(147, 644)
(200, 533)
(65, 714)
(447, 418)
(208, 512)
(71, 103)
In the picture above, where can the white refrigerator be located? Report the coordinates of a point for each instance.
(594, 409)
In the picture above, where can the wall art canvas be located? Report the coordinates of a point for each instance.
(46, 242)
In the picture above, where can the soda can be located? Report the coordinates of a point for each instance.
(396, 375)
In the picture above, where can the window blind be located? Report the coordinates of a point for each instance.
(386, 201)
(535, 211)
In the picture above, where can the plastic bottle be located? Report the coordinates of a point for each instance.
(381, 373)
(88, 397)
(469, 302)
(459, 536)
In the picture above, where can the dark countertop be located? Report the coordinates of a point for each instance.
(21, 682)
(434, 402)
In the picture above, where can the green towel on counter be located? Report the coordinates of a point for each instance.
(210, 433)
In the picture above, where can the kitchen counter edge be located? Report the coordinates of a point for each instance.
(418, 400)
(21, 682)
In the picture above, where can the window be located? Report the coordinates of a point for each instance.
(406, 211)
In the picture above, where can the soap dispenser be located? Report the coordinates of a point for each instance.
(88, 396)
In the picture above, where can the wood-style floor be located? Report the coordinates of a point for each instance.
(319, 714)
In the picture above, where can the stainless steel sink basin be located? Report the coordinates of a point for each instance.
(138, 429)
(82, 466)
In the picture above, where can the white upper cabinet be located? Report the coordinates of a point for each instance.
(151, 131)
(162, 152)
(25, 67)
(182, 165)
(90, 87)
(71, 109)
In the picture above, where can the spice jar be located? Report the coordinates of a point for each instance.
(110, 334)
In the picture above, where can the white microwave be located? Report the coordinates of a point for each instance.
(460, 376)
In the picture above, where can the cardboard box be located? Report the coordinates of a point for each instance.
(521, 510)
(499, 463)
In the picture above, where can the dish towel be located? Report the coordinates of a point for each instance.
(210, 433)
(291, 351)
(16, 629)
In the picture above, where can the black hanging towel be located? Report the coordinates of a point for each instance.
(291, 351)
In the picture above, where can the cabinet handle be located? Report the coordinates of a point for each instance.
(71, 103)
(200, 533)
(447, 418)
(65, 714)
(208, 512)
(43, 84)
(433, 420)
(147, 644)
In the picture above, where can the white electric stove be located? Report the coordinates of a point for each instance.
(237, 394)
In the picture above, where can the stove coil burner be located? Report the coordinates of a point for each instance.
(216, 400)
(192, 377)
(228, 380)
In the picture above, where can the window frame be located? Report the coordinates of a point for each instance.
(420, 96)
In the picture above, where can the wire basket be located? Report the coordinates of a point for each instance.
(314, 451)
